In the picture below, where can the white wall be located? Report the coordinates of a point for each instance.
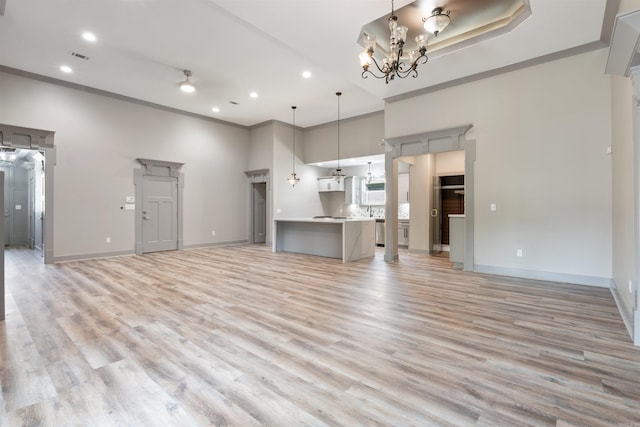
(450, 163)
(261, 148)
(624, 189)
(302, 200)
(541, 134)
(421, 193)
(628, 5)
(97, 142)
(359, 136)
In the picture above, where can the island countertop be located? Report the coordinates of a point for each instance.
(348, 239)
(325, 219)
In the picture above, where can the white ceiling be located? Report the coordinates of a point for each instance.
(234, 47)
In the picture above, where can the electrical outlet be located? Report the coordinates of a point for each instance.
(518, 252)
(107, 240)
(493, 207)
(213, 232)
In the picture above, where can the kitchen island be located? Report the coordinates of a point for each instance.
(349, 239)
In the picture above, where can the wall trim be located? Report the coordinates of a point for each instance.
(216, 244)
(81, 257)
(626, 318)
(112, 95)
(575, 279)
(503, 70)
(419, 251)
(102, 255)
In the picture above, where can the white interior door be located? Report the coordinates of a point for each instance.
(159, 213)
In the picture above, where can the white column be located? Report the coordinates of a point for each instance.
(391, 207)
(635, 76)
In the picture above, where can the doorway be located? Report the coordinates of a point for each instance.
(159, 194)
(259, 212)
(451, 202)
(159, 213)
(24, 197)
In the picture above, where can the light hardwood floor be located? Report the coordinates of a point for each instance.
(241, 336)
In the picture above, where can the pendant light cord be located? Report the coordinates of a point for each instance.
(338, 94)
(294, 138)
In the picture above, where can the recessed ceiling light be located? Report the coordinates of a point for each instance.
(253, 94)
(90, 37)
(215, 109)
(66, 69)
(306, 74)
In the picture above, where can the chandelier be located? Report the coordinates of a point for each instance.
(393, 65)
(396, 64)
(293, 178)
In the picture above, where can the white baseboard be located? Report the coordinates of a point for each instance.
(603, 282)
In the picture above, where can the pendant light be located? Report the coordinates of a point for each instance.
(337, 174)
(293, 178)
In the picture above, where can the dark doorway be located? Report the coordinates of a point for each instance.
(452, 200)
(259, 203)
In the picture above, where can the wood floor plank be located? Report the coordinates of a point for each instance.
(242, 336)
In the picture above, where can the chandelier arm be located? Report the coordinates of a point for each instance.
(413, 68)
(365, 75)
(381, 69)
(410, 72)
(386, 71)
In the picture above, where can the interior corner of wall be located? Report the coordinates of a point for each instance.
(636, 328)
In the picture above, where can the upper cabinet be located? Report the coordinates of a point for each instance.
(330, 184)
(403, 188)
(353, 190)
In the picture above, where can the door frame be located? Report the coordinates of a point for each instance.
(253, 212)
(43, 141)
(256, 177)
(450, 139)
(157, 168)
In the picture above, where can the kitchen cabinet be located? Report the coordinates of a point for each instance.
(403, 188)
(456, 240)
(330, 184)
(346, 239)
(353, 190)
(403, 233)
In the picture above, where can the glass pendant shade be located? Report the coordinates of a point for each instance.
(437, 21)
(293, 179)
